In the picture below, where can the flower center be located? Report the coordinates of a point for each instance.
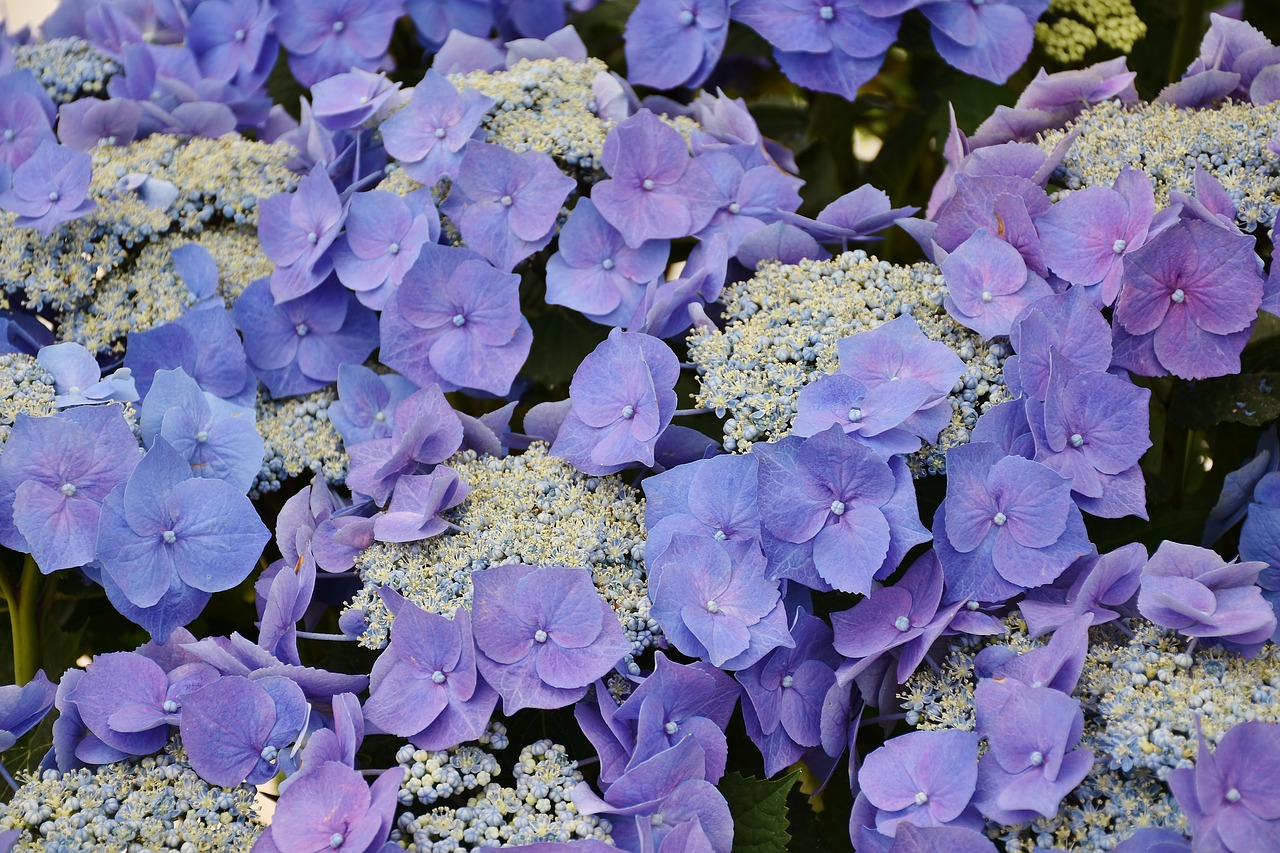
(394, 249)
(440, 131)
(301, 329)
(1037, 758)
(364, 99)
(921, 798)
(1178, 296)
(1077, 440)
(788, 680)
(712, 607)
(239, 35)
(53, 196)
(202, 436)
(1233, 796)
(68, 489)
(628, 411)
(902, 623)
(9, 134)
(268, 754)
(987, 296)
(540, 635)
(506, 201)
(671, 727)
(837, 507)
(720, 536)
(313, 237)
(855, 414)
(648, 184)
(459, 320)
(169, 537)
(826, 13)
(686, 17)
(1119, 246)
(339, 26)
(734, 208)
(656, 820)
(999, 518)
(170, 706)
(607, 263)
(380, 417)
(335, 840)
(437, 677)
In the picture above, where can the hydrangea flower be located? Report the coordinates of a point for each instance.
(596, 273)
(673, 43)
(26, 118)
(456, 321)
(714, 602)
(505, 204)
(365, 408)
(296, 230)
(1032, 761)
(988, 284)
(331, 36)
(89, 122)
(1193, 591)
(23, 707)
(204, 344)
(1101, 587)
(233, 38)
(425, 430)
(345, 101)
(543, 634)
(753, 192)
(623, 397)
(837, 516)
(424, 686)
(330, 807)
(49, 188)
(1228, 797)
(296, 347)
(78, 379)
(427, 136)
(922, 778)
(713, 497)
(1192, 292)
(416, 504)
(165, 526)
(234, 728)
(1007, 524)
(55, 474)
(384, 235)
(1066, 327)
(655, 191)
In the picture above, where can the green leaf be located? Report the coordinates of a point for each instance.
(1247, 398)
(759, 809)
(561, 340)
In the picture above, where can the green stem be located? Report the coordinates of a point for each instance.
(23, 608)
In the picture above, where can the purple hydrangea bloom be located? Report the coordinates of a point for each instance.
(296, 347)
(1193, 291)
(785, 692)
(709, 497)
(22, 708)
(714, 602)
(753, 192)
(505, 204)
(1006, 205)
(425, 430)
(990, 40)
(331, 36)
(165, 525)
(596, 273)
(854, 216)
(89, 122)
(427, 136)
(1087, 235)
(1066, 326)
(922, 778)
(656, 190)
(204, 344)
(1229, 797)
(1101, 587)
(437, 21)
(416, 505)
(78, 379)
(1085, 430)
(1031, 762)
(130, 702)
(54, 476)
(669, 307)
(838, 515)
(1193, 591)
(385, 234)
(673, 43)
(234, 728)
(217, 439)
(237, 655)
(282, 599)
(1007, 524)
(345, 101)
(543, 634)
(1052, 100)
(233, 38)
(365, 408)
(456, 321)
(329, 807)
(623, 396)
(296, 230)
(424, 685)
(989, 284)
(26, 118)
(662, 801)
(49, 188)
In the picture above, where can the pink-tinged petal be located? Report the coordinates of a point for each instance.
(848, 553)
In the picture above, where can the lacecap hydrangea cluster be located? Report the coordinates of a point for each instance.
(1070, 29)
(156, 802)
